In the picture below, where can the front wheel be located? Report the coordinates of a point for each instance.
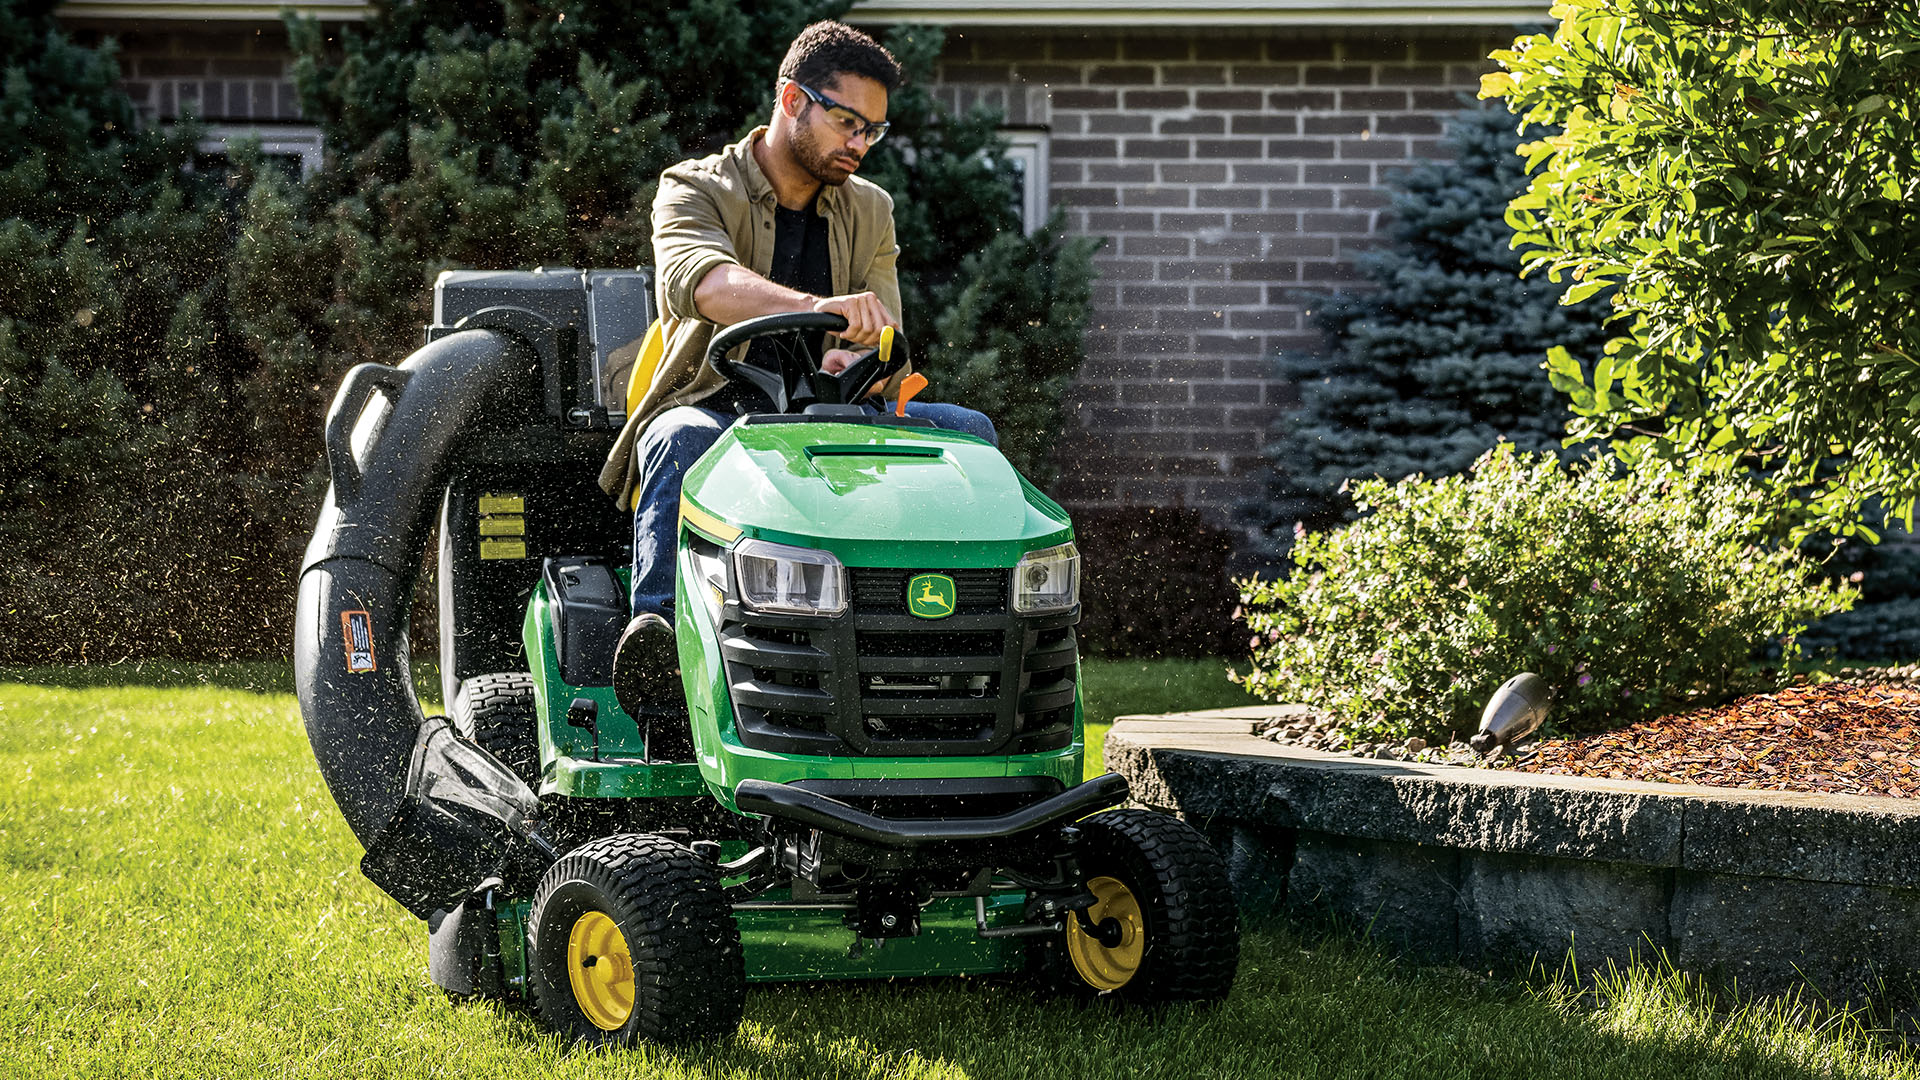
(1164, 926)
(630, 938)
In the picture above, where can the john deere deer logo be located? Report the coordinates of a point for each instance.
(930, 596)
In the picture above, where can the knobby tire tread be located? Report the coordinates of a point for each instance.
(689, 971)
(1193, 925)
(499, 713)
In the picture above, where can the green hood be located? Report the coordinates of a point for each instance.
(874, 495)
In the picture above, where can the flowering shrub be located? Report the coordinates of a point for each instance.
(1627, 594)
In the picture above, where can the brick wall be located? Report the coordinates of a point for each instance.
(1233, 177)
(223, 74)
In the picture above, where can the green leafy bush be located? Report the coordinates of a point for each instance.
(1627, 594)
(1742, 174)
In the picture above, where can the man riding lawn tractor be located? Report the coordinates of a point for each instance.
(831, 726)
(777, 222)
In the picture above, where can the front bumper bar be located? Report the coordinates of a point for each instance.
(812, 809)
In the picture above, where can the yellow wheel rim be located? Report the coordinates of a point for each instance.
(1108, 967)
(601, 970)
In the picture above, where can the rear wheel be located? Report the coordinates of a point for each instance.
(630, 938)
(498, 712)
(1164, 923)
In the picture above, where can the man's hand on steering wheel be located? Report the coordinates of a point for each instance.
(835, 361)
(789, 368)
(866, 316)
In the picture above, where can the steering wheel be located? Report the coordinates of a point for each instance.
(797, 379)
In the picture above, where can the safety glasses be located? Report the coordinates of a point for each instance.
(844, 120)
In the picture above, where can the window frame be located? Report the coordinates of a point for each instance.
(1028, 146)
(280, 140)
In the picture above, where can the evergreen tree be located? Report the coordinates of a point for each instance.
(521, 134)
(120, 488)
(169, 340)
(514, 135)
(1442, 358)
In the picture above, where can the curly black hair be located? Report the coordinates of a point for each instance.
(827, 50)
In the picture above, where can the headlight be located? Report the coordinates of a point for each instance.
(1047, 580)
(791, 580)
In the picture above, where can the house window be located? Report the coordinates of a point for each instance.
(293, 147)
(1027, 153)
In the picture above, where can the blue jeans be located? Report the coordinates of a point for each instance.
(669, 447)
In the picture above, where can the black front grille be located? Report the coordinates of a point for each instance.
(931, 641)
(878, 681)
(977, 592)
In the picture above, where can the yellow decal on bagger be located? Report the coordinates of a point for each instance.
(503, 549)
(503, 525)
(713, 527)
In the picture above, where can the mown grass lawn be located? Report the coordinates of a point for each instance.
(179, 898)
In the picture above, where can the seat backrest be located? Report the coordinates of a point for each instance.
(646, 365)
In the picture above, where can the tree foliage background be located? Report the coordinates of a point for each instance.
(126, 514)
(1743, 175)
(169, 340)
(1441, 358)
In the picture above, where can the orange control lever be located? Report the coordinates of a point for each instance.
(909, 386)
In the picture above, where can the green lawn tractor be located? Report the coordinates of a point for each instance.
(875, 770)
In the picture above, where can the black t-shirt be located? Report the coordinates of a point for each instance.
(800, 261)
(800, 250)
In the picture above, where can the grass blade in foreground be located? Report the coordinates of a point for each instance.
(181, 901)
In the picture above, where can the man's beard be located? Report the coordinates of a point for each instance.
(819, 163)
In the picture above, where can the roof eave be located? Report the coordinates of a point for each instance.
(173, 11)
(1125, 15)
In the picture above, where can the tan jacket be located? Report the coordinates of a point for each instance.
(718, 210)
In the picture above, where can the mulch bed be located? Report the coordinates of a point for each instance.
(1848, 738)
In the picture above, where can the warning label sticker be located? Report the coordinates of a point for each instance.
(356, 627)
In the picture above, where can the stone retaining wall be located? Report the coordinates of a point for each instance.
(1491, 867)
